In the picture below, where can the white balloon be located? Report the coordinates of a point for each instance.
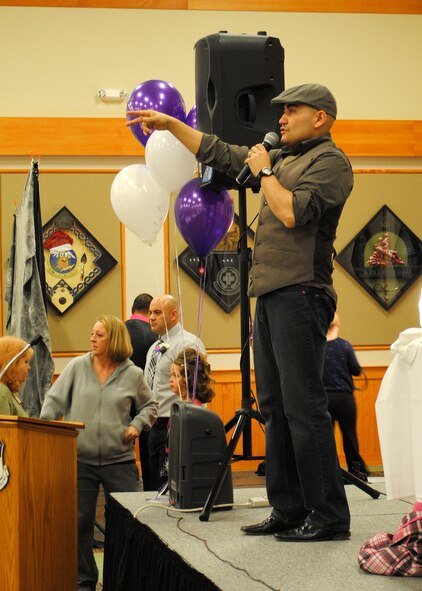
(139, 202)
(170, 163)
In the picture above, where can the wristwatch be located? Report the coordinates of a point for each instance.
(265, 172)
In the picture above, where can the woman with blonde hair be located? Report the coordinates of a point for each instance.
(99, 389)
(14, 376)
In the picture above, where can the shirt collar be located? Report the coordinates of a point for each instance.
(305, 146)
(139, 317)
(172, 332)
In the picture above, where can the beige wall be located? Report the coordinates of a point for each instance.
(53, 62)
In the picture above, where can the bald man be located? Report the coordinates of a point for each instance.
(164, 322)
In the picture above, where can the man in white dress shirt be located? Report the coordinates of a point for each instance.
(164, 321)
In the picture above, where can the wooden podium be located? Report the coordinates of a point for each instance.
(38, 504)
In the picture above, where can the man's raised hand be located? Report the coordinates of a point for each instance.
(149, 120)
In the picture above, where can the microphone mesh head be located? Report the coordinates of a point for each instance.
(272, 139)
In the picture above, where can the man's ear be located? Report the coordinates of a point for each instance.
(320, 119)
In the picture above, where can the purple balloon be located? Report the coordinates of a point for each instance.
(191, 118)
(159, 96)
(203, 216)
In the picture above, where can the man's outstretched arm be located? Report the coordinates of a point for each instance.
(153, 120)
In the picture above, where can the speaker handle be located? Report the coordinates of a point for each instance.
(246, 108)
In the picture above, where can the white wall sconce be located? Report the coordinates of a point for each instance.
(111, 95)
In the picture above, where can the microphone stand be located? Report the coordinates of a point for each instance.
(242, 418)
(245, 353)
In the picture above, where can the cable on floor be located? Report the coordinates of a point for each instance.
(221, 559)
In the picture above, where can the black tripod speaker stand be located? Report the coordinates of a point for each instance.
(242, 419)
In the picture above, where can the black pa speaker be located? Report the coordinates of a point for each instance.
(236, 76)
(197, 443)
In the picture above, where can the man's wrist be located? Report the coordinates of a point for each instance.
(265, 172)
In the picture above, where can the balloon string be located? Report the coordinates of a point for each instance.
(178, 286)
(179, 298)
(159, 290)
(157, 280)
(202, 282)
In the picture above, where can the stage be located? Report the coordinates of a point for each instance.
(173, 551)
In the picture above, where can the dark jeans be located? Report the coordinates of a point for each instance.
(114, 478)
(144, 458)
(157, 448)
(302, 471)
(342, 408)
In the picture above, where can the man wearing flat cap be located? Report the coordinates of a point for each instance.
(305, 186)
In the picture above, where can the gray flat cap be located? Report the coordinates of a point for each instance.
(314, 95)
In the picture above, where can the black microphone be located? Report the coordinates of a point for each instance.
(270, 141)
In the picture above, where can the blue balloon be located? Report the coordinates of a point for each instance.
(159, 96)
(203, 216)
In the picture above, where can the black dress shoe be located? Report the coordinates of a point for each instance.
(271, 525)
(358, 470)
(311, 532)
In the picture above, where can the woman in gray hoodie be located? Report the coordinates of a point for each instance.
(99, 389)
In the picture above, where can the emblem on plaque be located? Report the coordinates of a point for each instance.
(385, 257)
(74, 260)
(4, 470)
(222, 274)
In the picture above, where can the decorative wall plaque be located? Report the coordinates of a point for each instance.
(385, 257)
(74, 260)
(222, 279)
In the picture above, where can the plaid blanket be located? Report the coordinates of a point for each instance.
(398, 554)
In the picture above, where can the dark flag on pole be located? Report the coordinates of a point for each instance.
(39, 248)
(26, 293)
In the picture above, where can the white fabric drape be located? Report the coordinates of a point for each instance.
(399, 417)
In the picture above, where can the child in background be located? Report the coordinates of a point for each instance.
(190, 378)
(183, 381)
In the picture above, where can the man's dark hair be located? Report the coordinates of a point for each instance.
(141, 302)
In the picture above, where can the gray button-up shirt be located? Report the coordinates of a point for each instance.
(321, 179)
